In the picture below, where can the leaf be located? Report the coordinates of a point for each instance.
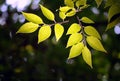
(114, 9)
(65, 8)
(44, 33)
(47, 13)
(71, 13)
(98, 2)
(95, 43)
(76, 50)
(86, 54)
(92, 31)
(62, 15)
(59, 30)
(28, 27)
(33, 18)
(111, 2)
(80, 3)
(74, 28)
(86, 20)
(74, 39)
(113, 23)
(69, 3)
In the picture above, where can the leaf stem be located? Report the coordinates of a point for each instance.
(59, 22)
(82, 30)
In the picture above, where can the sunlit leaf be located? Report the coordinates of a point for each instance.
(28, 27)
(92, 31)
(69, 3)
(76, 50)
(32, 18)
(62, 15)
(44, 33)
(47, 13)
(86, 54)
(59, 30)
(74, 39)
(72, 12)
(95, 43)
(114, 9)
(74, 28)
(98, 2)
(80, 3)
(113, 23)
(65, 8)
(86, 20)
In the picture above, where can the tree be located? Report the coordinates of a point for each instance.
(77, 45)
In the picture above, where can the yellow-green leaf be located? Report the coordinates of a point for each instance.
(114, 9)
(95, 43)
(65, 8)
(59, 30)
(98, 2)
(47, 13)
(69, 3)
(32, 18)
(28, 27)
(86, 20)
(92, 31)
(44, 33)
(74, 28)
(62, 15)
(71, 13)
(86, 54)
(76, 50)
(113, 23)
(80, 3)
(74, 39)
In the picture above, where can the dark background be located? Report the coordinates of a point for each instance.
(22, 59)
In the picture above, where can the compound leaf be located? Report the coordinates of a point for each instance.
(74, 39)
(86, 20)
(32, 18)
(74, 28)
(47, 13)
(92, 31)
(95, 43)
(59, 30)
(86, 54)
(76, 50)
(44, 33)
(28, 27)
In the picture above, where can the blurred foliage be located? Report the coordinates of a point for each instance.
(22, 59)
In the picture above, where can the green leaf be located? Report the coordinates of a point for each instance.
(114, 9)
(113, 23)
(59, 30)
(95, 43)
(44, 33)
(69, 3)
(111, 2)
(89, 30)
(76, 50)
(71, 13)
(47, 13)
(86, 20)
(62, 15)
(32, 18)
(86, 54)
(28, 27)
(98, 2)
(80, 3)
(74, 39)
(74, 28)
